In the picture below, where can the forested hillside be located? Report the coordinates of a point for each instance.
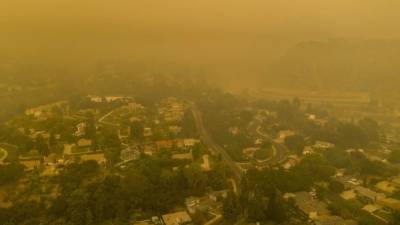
(356, 65)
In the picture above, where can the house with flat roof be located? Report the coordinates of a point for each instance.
(368, 195)
(155, 220)
(348, 195)
(31, 164)
(183, 156)
(386, 186)
(309, 206)
(130, 153)
(84, 143)
(333, 220)
(389, 203)
(190, 142)
(164, 144)
(98, 157)
(177, 218)
(323, 145)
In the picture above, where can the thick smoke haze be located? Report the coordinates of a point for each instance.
(229, 38)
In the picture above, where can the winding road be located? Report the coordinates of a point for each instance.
(280, 150)
(278, 157)
(4, 155)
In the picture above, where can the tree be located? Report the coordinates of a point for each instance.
(41, 145)
(196, 179)
(262, 154)
(370, 128)
(188, 125)
(105, 200)
(52, 140)
(394, 156)
(351, 136)
(314, 168)
(295, 143)
(276, 207)
(90, 131)
(231, 209)
(135, 186)
(337, 157)
(24, 212)
(336, 187)
(137, 130)
(217, 177)
(395, 218)
(77, 206)
(197, 151)
(112, 155)
(257, 208)
(10, 172)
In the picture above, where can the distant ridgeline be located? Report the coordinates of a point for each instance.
(352, 65)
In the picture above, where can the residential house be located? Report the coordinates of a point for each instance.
(178, 218)
(84, 143)
(98, 157)
(249, 152)
(317, 211)
(205, 166)
(208, 203)
(368, 195)
(349, 182)
(130, 153)
(69, 149)
(322, 145)
(386, 186)
(155, 220)
(234, 130)
(45, 111)
(372, 208)
(164, 145)
(149, 149)
(311, 207)
(183, 156)
(376, 211)
(80, 129)
(348, 195)
(390, 203)
(117, 98)
(135, 107)
(190, 142)
(35, 134)
(291, 162)
(283, 134)
(333, 220)
(95, 98)
(147, 132)
(124, 132)
(218, 195)
(31, 164)
(203, 204)
(175, 129)
(308, 150)
(396, 182)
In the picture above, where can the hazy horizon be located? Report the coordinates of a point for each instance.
(228, 39)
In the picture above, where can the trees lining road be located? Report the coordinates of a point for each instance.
(212, 145)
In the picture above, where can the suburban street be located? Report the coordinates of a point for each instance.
(214, 147)
(279, 150)
(279, 153)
